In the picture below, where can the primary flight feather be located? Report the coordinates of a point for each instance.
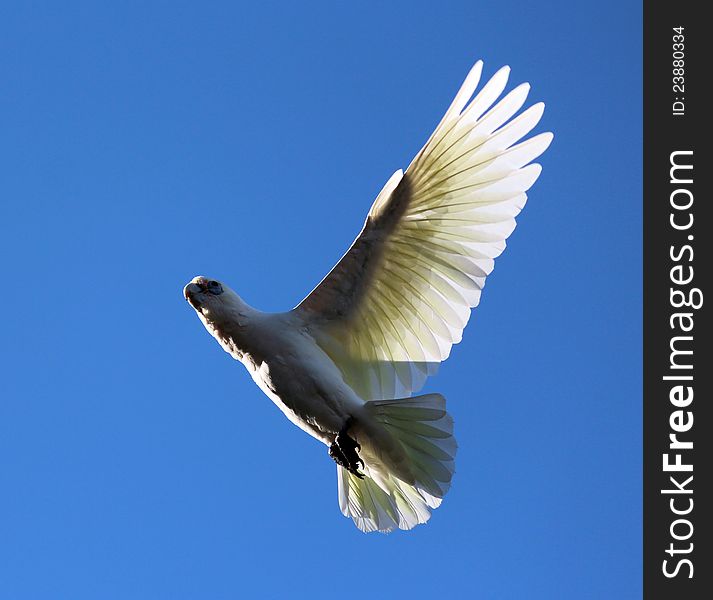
(344, 363)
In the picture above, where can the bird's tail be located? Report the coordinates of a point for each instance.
(381, 501)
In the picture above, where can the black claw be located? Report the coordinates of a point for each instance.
(344, 452)
(336, 453)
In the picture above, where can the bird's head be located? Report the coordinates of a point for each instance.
(210, 297)
(221, 310)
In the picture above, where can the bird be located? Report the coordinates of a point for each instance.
(345, 364)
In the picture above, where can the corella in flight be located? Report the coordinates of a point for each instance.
(344, 363)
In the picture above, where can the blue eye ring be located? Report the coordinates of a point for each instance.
(214, 287)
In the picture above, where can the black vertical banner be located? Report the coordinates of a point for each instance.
(678, 545)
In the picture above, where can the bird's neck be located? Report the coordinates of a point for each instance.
(231, 326)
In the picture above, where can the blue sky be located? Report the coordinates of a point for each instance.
(146, 143)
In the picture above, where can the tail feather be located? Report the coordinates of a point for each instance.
(383, 502)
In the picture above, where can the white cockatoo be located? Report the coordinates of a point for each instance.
(344, 363)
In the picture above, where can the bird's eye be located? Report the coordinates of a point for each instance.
(214, 288)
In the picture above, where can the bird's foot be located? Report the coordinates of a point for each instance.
(344, 451)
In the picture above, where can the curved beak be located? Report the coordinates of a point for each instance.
(191, 289)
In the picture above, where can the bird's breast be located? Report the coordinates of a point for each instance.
(300, 379)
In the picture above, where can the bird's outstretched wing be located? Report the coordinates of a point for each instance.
(390, 310)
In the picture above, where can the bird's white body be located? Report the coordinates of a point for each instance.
(287, 365)
(291, 369)
(343, 365)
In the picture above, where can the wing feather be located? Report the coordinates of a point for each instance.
(394, 305)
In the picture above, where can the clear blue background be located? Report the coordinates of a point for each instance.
(145, 143)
